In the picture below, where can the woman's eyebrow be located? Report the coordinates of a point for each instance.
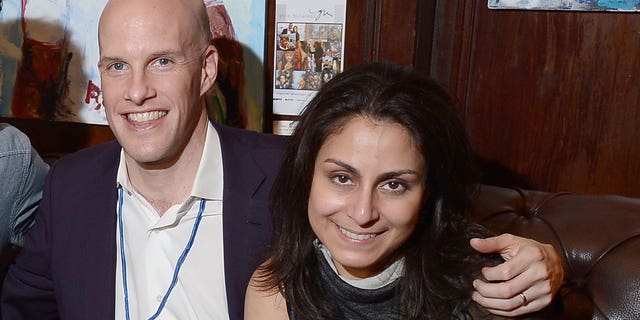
(395, 174)
(343, 164)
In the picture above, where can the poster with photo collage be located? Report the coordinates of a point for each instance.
(309, 49)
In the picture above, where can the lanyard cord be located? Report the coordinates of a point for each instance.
(181, 259)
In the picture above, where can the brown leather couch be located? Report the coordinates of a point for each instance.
(597, 236)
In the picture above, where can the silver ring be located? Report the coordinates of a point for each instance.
(524, 299)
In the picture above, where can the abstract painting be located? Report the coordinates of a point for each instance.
(568, 5)
(49, 54)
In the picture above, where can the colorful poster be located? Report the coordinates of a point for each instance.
(309, 50)
(49, 54)
(574, 5)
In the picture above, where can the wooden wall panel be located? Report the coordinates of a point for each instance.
(424, 25)
(361, 42)
(381, 30)
(551, 99)
(398, 31)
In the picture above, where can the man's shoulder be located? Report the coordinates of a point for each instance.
(243, 150)
(99, 157)
(250, 139)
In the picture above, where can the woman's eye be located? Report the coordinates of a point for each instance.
(394, 186)
(341, 179)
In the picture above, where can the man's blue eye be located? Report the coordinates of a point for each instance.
(163, 61)
(117, 66)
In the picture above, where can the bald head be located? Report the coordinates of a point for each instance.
(155, 67)
(190, 16)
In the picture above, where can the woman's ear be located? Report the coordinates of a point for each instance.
(209, 69)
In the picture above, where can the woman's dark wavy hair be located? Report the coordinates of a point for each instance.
(439, 263)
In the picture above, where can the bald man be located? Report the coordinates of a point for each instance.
(134, 228)
(170, 220)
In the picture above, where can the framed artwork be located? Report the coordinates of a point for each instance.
(568, 5)
(49, 54)
(309, 39)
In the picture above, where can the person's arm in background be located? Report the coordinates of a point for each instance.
(526, 282)
(23, 173)
(31, 296)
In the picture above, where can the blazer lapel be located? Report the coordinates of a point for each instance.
(245, 202)
(97, 246)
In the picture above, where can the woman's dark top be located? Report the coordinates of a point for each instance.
(354, 303)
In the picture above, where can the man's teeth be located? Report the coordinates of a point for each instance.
(356, 236)
(146, 116)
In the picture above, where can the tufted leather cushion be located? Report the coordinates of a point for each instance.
(597, 236)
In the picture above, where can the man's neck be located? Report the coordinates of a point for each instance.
(164, 187)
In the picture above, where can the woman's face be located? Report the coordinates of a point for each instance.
(366, 194)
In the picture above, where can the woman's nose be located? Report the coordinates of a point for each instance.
(363, 211)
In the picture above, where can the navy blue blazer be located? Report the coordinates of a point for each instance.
(67, 266)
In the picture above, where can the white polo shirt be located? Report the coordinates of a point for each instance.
(153, 245)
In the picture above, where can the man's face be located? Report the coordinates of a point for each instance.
(153, 70)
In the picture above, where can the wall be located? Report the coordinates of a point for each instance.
(551, 99)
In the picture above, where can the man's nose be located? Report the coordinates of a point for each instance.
(364, 210)
(140, 88)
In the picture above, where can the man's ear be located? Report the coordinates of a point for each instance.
(209, 69)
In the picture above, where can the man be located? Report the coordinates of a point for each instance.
(171, 219)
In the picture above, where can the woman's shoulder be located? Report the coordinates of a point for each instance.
(262, 302)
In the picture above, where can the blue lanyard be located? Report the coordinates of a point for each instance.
(183, 256)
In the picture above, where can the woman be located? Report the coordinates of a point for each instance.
(369, 206)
